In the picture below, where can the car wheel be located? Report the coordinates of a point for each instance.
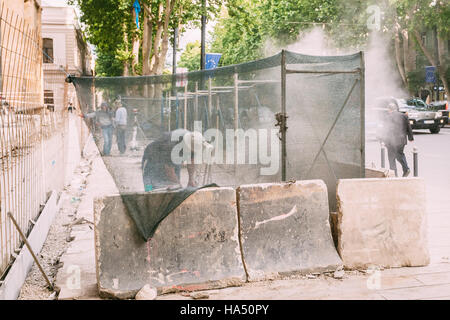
(435, 130)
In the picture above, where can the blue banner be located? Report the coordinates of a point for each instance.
(430, 74)
(137, 8)
(212, 60)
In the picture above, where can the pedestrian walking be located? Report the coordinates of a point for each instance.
(396, 135)
(120, 121)
(104, 119)
(70, 108)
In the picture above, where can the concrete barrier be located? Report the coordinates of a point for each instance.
(196, 244)
(382, 222)
(285, 228)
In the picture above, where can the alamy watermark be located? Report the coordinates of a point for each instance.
(374, 280)
(234, 147)
(374, 19)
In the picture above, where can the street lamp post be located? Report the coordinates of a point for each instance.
(203, 50)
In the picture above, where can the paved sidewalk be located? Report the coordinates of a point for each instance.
(431, 282)
(77, 278)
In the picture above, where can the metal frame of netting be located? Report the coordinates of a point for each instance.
(316, 104)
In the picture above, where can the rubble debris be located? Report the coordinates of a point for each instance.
(199, 295)
(146, 293)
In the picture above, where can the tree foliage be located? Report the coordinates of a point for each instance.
(245, 27)
(190, 58)
(110, 27)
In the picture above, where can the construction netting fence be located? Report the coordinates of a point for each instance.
(286, 117)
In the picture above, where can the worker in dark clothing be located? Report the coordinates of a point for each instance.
(159, 170)
(396, 135)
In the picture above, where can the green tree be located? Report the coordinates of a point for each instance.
(110, 26)
(431, 15)
(190, 58)
(238, 35)
(246, 25)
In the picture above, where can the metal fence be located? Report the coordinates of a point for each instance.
(31, 134)
(286, 117)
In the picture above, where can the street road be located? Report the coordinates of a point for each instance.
(434, 161)
(431, 282)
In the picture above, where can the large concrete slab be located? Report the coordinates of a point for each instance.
(382, 222)
(197, 243)
(285, 228)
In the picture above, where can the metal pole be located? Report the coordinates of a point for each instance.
(196, 102)
(217, 122)
(175, 44)
(162, 112)
(236, 119)
(362, 116)
(170, 108)
(236, 102)
(203, 37)
(416, 161)
(185, 106)
(31, 250)
(209, 97)
(283, 113)
(174, 78)
(383, 156)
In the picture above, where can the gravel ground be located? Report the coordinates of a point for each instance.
(58, 238)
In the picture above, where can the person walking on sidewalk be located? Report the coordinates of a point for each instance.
(104, 119)
(121, 125)
(396, 135)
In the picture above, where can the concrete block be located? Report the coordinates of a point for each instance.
(382, 222)
(196, 244)
(285, 228)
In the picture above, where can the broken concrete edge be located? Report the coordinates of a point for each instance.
(256, 277)
(370, 265)
(239, 231)
(15, 278)
(191, 287)
(98, 206)
(209, 285)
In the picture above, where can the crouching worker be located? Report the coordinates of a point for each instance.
(161, 164)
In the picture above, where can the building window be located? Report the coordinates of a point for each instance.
(49, 100)
(424, 39)
(47, 48)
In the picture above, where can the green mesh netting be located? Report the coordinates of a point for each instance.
(324, 106)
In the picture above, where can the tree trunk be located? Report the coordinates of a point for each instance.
(399, 57)
(408, 52)
(442, 68)
(126, 71)
(158, 24)
(424, 49)
(136, 45)
(147, 42)
(441, 64)
(165, 40)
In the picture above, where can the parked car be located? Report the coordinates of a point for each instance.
(440, 106)
(420, 115)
